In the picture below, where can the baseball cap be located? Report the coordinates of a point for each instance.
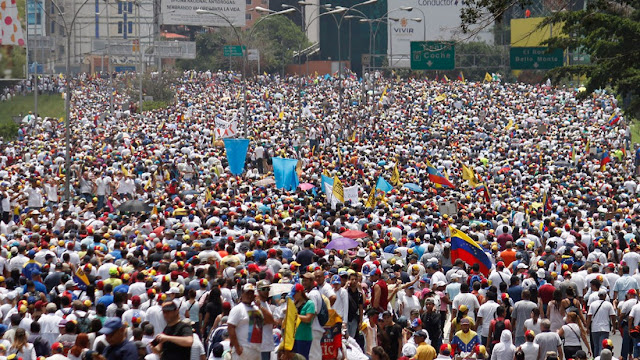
(421, 333)
(465, 321)
(632, 292)
(336, 280)
(111, 325)
(249, 287)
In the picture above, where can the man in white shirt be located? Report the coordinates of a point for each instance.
(341, 306)
(601, 320)
(324, 288)
(468, 299)
(486, 313)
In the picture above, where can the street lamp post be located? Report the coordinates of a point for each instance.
(244, 52)
(68, 28)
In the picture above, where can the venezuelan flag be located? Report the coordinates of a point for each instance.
(604, 160)
(613, 120)
(436, 177)
(464, 248)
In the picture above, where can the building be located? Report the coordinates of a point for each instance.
(97, 23)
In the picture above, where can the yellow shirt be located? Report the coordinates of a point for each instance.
(425, 352)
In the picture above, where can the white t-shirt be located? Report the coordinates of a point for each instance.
(248, 321)
(102, 185)
(632, 259)
(409, 303)
(600, 322)
(467, 299)
(487, 312)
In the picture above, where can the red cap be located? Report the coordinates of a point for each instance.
(632, 292)
(445, 347)
(500, 264)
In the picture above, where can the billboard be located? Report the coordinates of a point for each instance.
(183, 12)
(440, 20)
(525, 32)
(12, 40)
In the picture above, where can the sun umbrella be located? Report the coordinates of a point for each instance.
(306, 186)
(134, 206)
(413, 187)
(265, 182)
(354, 234)
(342, 243)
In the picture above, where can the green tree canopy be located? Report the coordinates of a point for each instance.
(276, 38)
(607, 30)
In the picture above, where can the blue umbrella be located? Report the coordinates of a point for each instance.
(342, 243)
(413, 187)
(382, 163)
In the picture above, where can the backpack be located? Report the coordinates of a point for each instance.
(497, 330)
(83, 322)
(323, 314)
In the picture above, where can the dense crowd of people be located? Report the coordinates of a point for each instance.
(161, 252)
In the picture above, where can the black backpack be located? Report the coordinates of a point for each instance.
(83, 322)
(323, 314)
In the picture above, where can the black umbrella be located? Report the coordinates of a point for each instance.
(134, 206)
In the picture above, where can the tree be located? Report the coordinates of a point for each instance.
(276, 38)
(607, 30)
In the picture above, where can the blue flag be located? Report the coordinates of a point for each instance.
(430, 112)
(284, 171)
(326, 180)
(236, 154)
(383, 185)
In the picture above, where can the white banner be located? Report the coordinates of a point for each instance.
(350, 193)
(183, 12)
(225, 129)
(440, 21)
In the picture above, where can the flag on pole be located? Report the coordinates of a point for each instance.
(289, 325)
(436, 177)
(604, 160)
(487, 77)
(338, 190)
(81, 279)
(395, 176)
(464, 248)
(384, 93)
(469, 175)
(573, 153)
(588, 147)
(383, 185)
(613, 120)
(371, 200)
(339, 156)
(461, 76)
(509, 125)
(445, 78)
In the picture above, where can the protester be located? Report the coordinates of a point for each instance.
(540, 181)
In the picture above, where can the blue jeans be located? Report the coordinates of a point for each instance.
(627, 343)
(598, 336)
(352, 328)
(265, 355)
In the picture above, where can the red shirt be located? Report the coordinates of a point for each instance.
(546, 293)
(384, 296)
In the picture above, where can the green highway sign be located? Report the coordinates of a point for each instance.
(233, 50)
(536, 58)
(433, 55)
